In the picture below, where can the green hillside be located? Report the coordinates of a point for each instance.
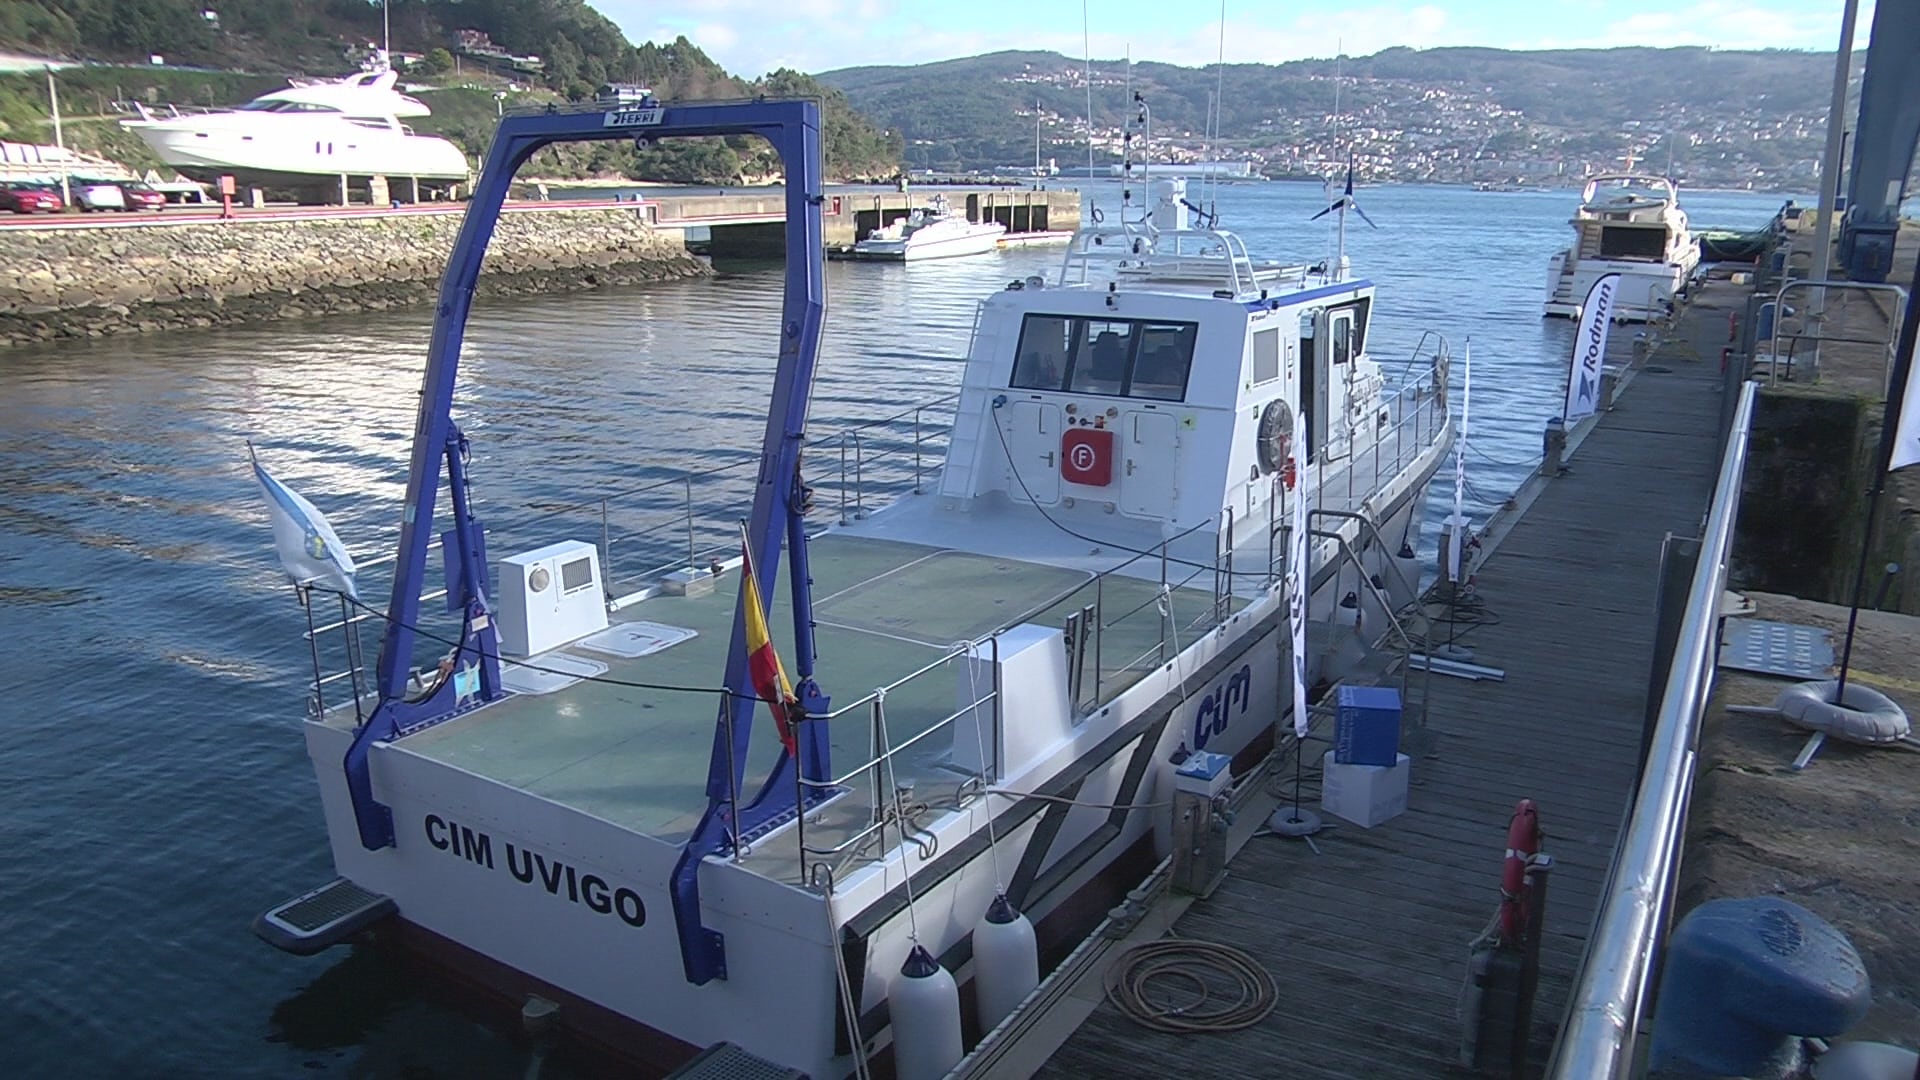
(578, 50)
(1726, 110)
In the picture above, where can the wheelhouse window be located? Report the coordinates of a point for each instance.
(287, 107)
(1266, 355)
(1633, 243)
(1137, 358)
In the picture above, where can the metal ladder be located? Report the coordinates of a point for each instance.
(970, 415)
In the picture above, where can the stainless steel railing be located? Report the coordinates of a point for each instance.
(1900, 299)
(1610, 992)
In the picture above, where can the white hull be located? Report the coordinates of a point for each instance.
(977, 240)
(1645, 288)
(478, 863)
(323, 149)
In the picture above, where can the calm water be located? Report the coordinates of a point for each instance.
(154, 790)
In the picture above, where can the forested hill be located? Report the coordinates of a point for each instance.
(1437, 114)
(577, 49)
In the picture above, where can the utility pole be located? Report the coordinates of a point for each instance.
(1830, 173)
(59, 139)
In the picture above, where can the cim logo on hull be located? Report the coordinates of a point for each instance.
(1219, 707)
(559, 879)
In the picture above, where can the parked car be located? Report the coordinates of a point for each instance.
(97, 195)
(140, 196)
(25, 198)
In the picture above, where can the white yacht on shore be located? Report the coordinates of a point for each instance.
(314, 135)
(1630, 225)
(573, 806)
(934, 232)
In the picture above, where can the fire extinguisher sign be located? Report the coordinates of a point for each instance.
(1086, 456)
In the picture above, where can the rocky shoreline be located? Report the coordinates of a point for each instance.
(76, 283)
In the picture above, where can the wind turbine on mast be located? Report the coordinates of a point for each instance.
(1340, 206)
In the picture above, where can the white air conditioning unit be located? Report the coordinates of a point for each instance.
(549, 597)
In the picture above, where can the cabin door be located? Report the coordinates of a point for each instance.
(1147, 478)
(1033, 446)
(1336, 378)
(1313, 383)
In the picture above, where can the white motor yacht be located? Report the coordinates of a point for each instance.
(934, 232)
(1630, 225)
(316, 134)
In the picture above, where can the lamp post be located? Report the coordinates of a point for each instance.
(1830, 171)
(59, 139)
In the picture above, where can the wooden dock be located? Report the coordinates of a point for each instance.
(1367, 939)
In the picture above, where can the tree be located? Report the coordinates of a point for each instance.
(435, 62)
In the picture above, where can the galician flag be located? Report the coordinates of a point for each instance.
(763, 663)
(1458, 536)
(309, 549)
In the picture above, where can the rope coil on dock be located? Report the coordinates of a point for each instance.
(1202, 967)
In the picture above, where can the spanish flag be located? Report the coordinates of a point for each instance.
(763, 663)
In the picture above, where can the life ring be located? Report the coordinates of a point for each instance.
(1274, 438)
(1523, 843)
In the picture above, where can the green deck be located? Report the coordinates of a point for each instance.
(638, 757)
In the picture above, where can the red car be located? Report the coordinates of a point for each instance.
(142, 197)
(28, 198)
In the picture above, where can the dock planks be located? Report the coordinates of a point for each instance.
(1367, 940)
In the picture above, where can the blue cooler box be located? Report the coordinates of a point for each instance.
(1367, 728)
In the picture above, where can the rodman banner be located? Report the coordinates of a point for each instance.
(1590, 349)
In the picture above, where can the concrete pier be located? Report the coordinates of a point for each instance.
(746, 223)
(1816, 431)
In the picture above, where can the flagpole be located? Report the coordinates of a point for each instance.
(1889, 431)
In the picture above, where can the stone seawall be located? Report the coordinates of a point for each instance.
(92, 282)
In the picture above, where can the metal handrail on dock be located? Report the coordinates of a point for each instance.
(1611, 990)
(1838, 285)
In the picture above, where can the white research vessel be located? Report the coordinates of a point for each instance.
(1092, 585)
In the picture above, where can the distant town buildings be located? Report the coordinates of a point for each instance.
(1400, 130)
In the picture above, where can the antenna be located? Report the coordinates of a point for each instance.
(1339, 56)
(1086, 40)
(1219, 108)
(1126, 145)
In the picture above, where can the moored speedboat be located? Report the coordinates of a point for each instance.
(932, 232)
(1629, 225)
(574, 803)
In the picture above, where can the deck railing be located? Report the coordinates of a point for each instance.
(1611, 990)
(1088, 623)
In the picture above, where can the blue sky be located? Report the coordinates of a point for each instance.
(751, 37)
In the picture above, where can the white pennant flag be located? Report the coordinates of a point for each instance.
(1299, 581)
(1590, 349)
(1906, 433)
(310, 551)
(1458, 534)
